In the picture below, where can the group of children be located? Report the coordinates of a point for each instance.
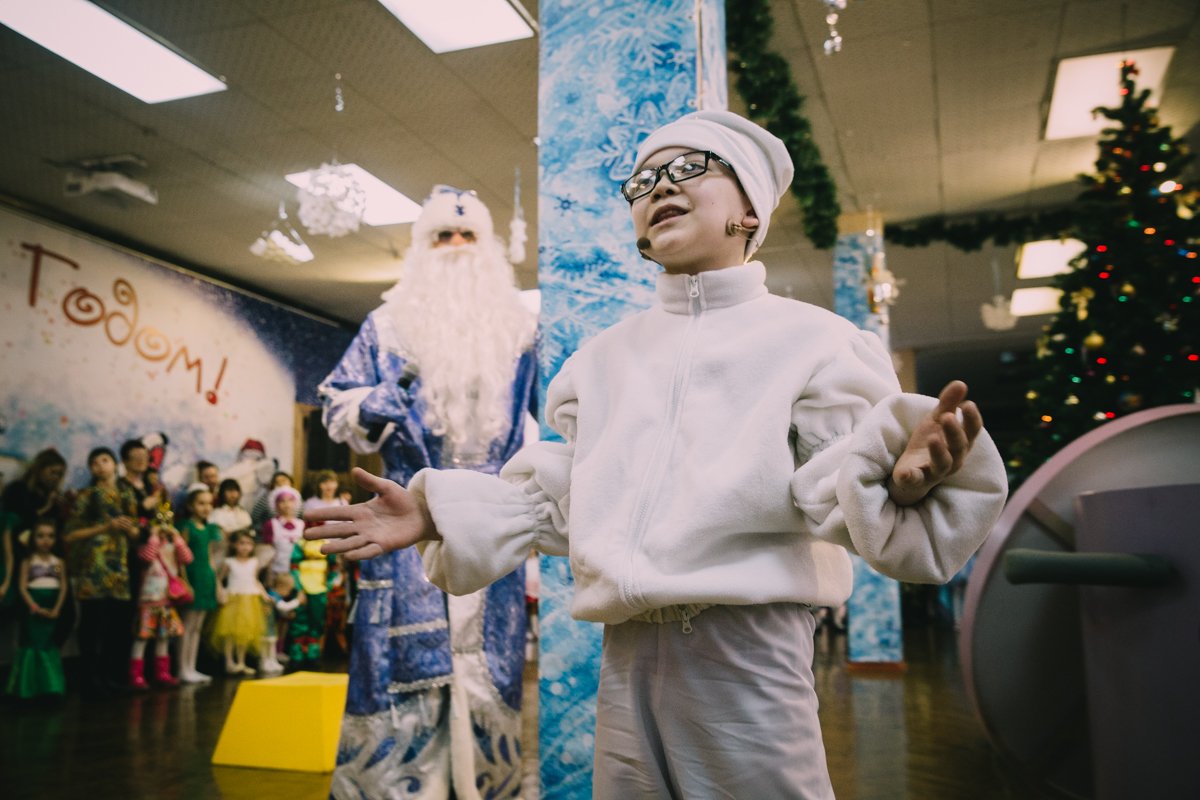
(262, 595)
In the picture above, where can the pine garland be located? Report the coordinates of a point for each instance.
(765, 83)
(972, 234)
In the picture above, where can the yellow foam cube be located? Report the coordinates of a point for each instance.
(309, 705)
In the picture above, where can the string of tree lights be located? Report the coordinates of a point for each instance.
(1127, 336)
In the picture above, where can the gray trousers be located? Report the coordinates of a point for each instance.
(727, 710)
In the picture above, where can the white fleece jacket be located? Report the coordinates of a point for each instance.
(724, 447)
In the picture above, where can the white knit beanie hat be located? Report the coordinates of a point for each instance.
(760, 159)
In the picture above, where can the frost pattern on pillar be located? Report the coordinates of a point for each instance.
(610, 73)
(874, 607)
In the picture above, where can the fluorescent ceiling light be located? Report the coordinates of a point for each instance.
(460, 24)
(385, 205)
(1082, 84)
(109, 48)
(1046, 258)
(1035, 301)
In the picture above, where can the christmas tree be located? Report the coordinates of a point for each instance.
(1127, 336)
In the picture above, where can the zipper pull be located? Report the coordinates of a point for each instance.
(687, 620)
(693, 286)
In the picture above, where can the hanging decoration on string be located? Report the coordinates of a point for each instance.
(833, 42)
(885, 286)
(997, 315)
(517, 235)
(763, 78)
(280, 242)
(332, 203)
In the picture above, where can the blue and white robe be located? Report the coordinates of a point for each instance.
(435, 680)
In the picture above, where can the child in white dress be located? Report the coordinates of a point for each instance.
(240, 623)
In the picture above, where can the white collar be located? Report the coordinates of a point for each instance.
(718, 288)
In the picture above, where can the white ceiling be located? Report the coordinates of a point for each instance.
(932, 107)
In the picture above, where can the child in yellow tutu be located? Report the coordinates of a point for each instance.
(240, 622)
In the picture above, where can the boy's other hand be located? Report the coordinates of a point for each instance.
(393, 519)
(937, 447)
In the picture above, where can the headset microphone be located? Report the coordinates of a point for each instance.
(734, 229)
(643, 243)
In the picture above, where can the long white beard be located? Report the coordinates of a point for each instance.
(460, 318)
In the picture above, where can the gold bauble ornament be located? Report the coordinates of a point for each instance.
(1093, 341)
(1128, 289)
(1080, 300)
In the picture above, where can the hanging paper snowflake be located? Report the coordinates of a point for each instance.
(282, 243)
(276, 246)
(997, 315)
(332, 203)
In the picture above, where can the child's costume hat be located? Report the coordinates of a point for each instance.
(453, 209)
(282, 491)
(760, 159)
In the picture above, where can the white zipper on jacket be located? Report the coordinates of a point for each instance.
(661, 453)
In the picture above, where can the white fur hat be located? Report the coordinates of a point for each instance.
(453, 209)
(281, 491)
(760, 159)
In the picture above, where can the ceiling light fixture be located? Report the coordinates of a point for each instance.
(451, 25)
(1035, 301)
(1084, 83)
(1047, 258)
(109, 48)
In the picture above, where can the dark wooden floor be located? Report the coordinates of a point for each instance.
(890, 736)
(909, 735)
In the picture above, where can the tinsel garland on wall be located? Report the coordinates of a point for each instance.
(765, 83)
(971, 234)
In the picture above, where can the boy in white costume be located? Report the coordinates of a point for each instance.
(723, 450)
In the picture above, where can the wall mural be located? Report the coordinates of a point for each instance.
(98, 346)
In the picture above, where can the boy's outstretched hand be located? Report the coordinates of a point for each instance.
(937, 447)
(393, 519)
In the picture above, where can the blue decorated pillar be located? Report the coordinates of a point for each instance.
(610, 73)
(875, 636)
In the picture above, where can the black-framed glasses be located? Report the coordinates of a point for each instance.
(679, 169)
(446, 235)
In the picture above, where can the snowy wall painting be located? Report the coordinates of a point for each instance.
(98, 346)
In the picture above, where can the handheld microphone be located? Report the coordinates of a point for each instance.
(407, 377)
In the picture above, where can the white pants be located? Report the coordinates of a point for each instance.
(725, 711)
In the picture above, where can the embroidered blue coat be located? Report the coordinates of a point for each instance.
(421, 659)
